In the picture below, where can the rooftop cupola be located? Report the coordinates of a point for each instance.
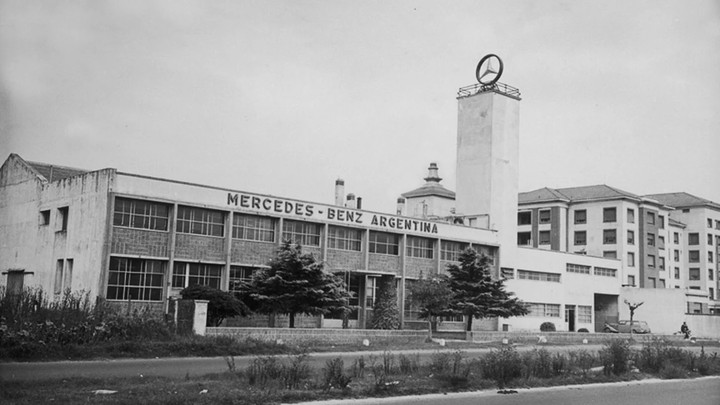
(433, 176)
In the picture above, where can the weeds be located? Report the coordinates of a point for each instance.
(334, 376)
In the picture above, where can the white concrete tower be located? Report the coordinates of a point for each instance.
(487, 156)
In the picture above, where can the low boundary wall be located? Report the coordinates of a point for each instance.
(564, 337)
(322, 336)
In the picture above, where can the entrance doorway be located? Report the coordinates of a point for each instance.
(570, 317)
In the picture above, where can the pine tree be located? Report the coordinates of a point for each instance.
(385, 313)
(296, 284)
(477, 294)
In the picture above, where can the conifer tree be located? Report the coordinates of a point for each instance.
(385, 313)
(476, 293)
(296, 284)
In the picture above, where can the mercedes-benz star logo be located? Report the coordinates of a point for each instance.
(486, 72)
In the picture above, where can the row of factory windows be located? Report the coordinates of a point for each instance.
(150, 215)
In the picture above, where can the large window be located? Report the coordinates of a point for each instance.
(538, 276)
(419, 247)
(344, 238)
(584, 314)
(240, 275)
(524, 217)
(544, 216)
(200, 221)
(604, 271)
(450, 251)
(187, 274)
(694, 256)
(609, 214)
(253, 227)
(384, 243)
(577, 268)
(141, 214)
(580, 238)
(544, 238)
(543, 310)
(135, 279)
(524, 238)
(302, 233)
(693, 238)
(694, 274)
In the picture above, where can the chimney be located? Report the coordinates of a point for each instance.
(359, 203)
(351, 203)
(400, 206)
(433, 176)
(339, 192)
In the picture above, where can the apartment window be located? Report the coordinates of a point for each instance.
(580, 216)
(650, 239)
(609, 214)
(577, 268)
(370, 291)
(631, 259)
(609, 236)
(302, 233)
(538, 276)
(584, 314)
(524, 239)
(135, 279)
(44, 218)
(676, 273)
(710, 274)
(710, 257)
(384, 243)
(543, 310)
(693, 239)
(580, 238)
(631, 237)
(507, 273)
(188, 274)
(676, 255)
(631, 216)
(651, 218)
(694, 256)
(419, 247)
(662, 283)
(200, 221)
(524, 217)
(253, 227)
(661, 263)
(661, 242)
(605, 272)
(717, 224)
(662, 221)
(62, 219)
(341, 238)
(58, 277)
(451, 251)
(651, 260)
(610, 254)
(141, 214)
(709, 223)
(676, 238)
(652, 282)
(544, 238)
(711, 293)
(709, 239)
(545, 216)
(694, 274)
(240, 275)
(631, 281)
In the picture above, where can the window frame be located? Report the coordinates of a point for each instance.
(254, 227)
(302, 233)
(344, 238)
(148, 274)
(384, 243)
(200, 221)
(127, 212)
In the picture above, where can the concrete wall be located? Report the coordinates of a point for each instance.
(320, 336)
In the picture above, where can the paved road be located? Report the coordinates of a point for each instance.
(701, 391)
(195, 366)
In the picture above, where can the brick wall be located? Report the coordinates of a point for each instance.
(344, 260)
(140, 242)
(251, 252)
(195, 247)
(385, 263)
(281, 321)
(321, 336)
(415, 266)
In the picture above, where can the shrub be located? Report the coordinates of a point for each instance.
(221, 305)
(502, 366)
(583, 360)
(615, 356)
(409, 365)
(547, 327)
(673, 371)
(334, 376)
(583, 330)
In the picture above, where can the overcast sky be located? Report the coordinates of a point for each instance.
(284, 97)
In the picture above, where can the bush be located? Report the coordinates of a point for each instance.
(615, 356)
(547, 327)
(334, 376)
(583, 330)
(221, 305)
(502, 366)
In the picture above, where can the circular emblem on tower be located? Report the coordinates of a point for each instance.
(489, 69)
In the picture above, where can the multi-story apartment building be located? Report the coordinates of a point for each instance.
(698, 248)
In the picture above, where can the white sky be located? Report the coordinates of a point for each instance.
(283, 97)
